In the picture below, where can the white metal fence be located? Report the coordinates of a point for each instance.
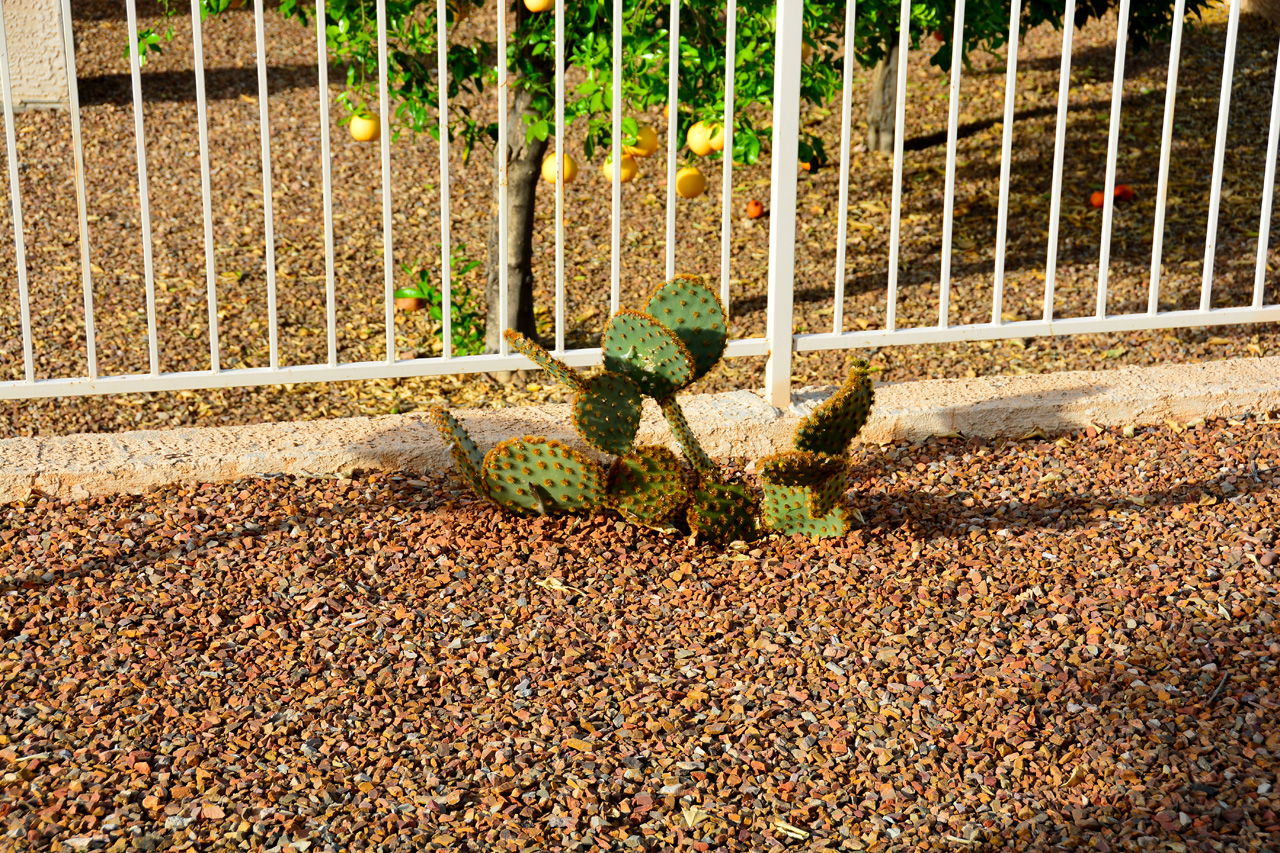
(779, 341)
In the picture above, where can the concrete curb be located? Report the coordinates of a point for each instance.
(738, 424)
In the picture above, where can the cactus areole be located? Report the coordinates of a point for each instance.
(680, 336)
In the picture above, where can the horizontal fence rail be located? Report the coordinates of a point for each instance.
(780, 339)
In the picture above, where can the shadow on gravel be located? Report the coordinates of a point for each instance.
(221, 84)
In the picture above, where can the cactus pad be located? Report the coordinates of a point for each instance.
(559, 371)
(606, 413)
(819, 477)
(723, 513)
(466, 455)
(698, 458)
(539, 476)
(787, 511)
(831, 426)
(648, 485)
(691, 309)
(637, 346)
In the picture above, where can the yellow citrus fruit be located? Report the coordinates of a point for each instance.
(539, 5)
(699, 139)
(690, 182)
(716, 137)
(646, 142)
(365, 128)
(806, 52)
(549, 168)
(629, 168)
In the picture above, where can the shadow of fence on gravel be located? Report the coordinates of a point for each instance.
(180, 86)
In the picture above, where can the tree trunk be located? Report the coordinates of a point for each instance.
(880, 115)
(524, 168)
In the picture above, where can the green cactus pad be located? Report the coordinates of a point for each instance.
(787, 511)
(538, 476)
(707, 470)
(820, 477)
(722, 513)
(560, 372)
(466, 455)
(606, 413)
(648, 485)
(691, 309)
(648, 353)
(831, 426)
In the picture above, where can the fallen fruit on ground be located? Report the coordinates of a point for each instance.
(365, 128)
(1097, 199)
(549, 168)
(755, 209)
(690, 182)
(646, 142)
(1124, 192)
(629, 168)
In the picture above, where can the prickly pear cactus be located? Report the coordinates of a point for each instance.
(637, 346)
(558, 370)
(466, 455)
(698, 458)
(831, 426)
(722, 513)
(648, 485)
(691, 309)
(819, 479)
(786, 511)
(606, 413)
(535, 475)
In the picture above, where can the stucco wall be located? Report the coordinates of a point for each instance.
(35, 53)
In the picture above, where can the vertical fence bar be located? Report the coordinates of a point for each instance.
(899, 120)
(144, 195)
(1219, 156)
(726, 190)
(949, 192)
(1059, 155)
(446, 242)
(1113, 145)
(673, 132)
(782, 202)
(846, 125)
(206, 192)
(560, 176)
(501, 154)
(82, 207)
(268, 211)
(326, 180)
(1166, 147)
(615, 233)
(1006, 161)
(15, 201)
(1268, 192)
(384, 119)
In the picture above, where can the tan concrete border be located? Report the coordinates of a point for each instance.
(738, 424)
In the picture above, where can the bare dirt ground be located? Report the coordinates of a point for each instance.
(1042, 645)
(172, 152)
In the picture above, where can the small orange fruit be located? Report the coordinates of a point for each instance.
(646, 142)
(629, 168)
(549, 168)
(690, 182)
(1097, 199)
(365, 128)
(755, 209)
(1124, 192)
(539, 5)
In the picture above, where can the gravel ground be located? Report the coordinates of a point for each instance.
(1043, 644)
(48, 191)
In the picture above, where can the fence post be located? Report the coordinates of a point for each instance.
(782, 202)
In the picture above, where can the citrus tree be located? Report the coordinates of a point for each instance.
(351, 33)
